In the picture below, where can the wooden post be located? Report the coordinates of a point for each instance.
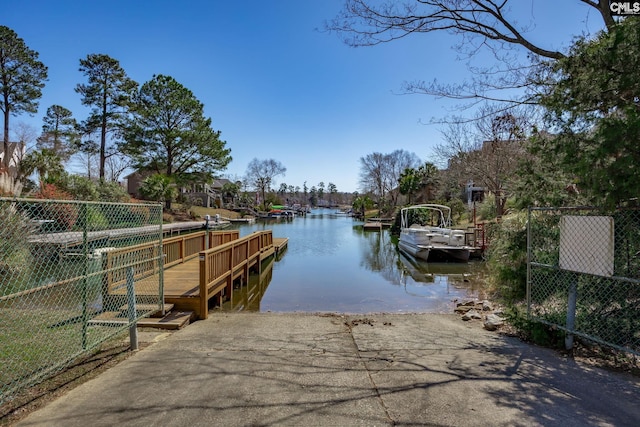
(107, 268)
(259, 259)
(232, 265)
(204, 277)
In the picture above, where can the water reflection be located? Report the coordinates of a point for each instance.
(247, 296)
(378, 252)
(333, 265)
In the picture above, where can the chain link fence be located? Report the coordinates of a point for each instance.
(69, 272)
(584, 274)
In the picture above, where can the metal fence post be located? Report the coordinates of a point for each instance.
(133, 316)
(571, 315)
(85, 283)
(161, 269)
(528, 284)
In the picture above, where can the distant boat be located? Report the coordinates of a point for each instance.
(432, 242)
(281, 213)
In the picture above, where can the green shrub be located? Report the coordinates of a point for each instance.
(109, 191)
(486, 211)
(80, 187)
(92, 218)
(15, 256)
(532, 331)
(507, 257)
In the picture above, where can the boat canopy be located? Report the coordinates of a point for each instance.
(443, 212)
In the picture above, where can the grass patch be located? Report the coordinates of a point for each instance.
(200, 212)
(36, 342)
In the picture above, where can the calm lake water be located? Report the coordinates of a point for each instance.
(333, 265)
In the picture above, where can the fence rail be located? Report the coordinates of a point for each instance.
(583, 274)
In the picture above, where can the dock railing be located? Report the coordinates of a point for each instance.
(182, 248)
(220, 265)
(175, 250)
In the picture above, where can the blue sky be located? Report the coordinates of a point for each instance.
(274, 85)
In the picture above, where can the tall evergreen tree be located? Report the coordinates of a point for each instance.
(168, 133)
(59, 132)
(22, 77)
(108, 92)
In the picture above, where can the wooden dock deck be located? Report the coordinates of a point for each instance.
(280, 244)
(182, 282)
(377, 224)
(193, 277)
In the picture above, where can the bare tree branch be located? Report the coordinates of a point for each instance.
(479, 24)
(361, 24)
(602, 6)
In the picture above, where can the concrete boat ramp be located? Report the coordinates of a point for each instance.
(268, 369)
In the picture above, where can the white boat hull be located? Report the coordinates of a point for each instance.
(434, 244)
(431, 243)
(414, 250)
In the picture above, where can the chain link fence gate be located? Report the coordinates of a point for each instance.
(583, 274)
(69, 272)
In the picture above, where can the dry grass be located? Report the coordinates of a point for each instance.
(196, 213)
(200, 212)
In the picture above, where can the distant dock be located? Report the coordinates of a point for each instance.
(72, 241)
(377, 224)
(247, 220)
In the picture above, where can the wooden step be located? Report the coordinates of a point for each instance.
(154, 309)
(173, 320)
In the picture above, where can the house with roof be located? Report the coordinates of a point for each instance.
(204, 194)
(208, 195)
(9, 167)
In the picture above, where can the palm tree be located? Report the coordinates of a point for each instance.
(409, 183)
(45, 163)
(429, 179)
(160, 188)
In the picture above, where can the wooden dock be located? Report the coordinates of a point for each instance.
(377, 224)
(193, 277)
(190, 270)
(245, 220)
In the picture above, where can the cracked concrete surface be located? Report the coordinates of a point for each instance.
(264, 369)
